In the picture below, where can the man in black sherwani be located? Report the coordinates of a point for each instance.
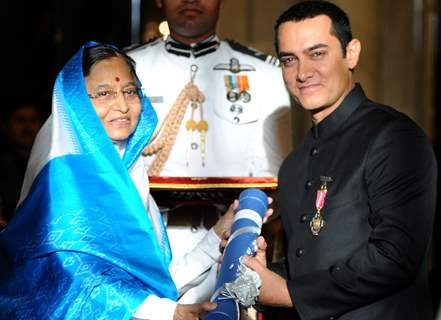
(357, 197)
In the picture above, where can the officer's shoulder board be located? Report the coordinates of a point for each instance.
(253, 52)
(150, 43)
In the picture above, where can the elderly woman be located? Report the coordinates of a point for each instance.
(87, 240)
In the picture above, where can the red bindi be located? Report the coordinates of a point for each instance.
(117, 79)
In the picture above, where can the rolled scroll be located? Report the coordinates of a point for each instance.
(236, 283)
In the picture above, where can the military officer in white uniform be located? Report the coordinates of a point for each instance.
(242, 127)
(245, 131)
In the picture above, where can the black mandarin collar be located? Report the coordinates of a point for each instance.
(197, 50)
(332, 122)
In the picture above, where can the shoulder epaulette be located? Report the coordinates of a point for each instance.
(150, 42)
(253, 52)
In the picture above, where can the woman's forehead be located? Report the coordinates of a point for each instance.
(112, 70)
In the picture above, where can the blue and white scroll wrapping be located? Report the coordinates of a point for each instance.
(237, 283)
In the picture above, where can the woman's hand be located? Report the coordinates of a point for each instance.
(226, 221)
(226, 225)
(268, 212)
(192, 311)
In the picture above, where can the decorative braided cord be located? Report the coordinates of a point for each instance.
(170, 128)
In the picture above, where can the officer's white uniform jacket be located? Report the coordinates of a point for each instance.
(243, 139)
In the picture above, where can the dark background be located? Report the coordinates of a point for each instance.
(40, 36)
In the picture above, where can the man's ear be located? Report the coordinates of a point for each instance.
(353, 50)
(159, 3)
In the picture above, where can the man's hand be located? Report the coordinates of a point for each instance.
(260, 255)
(274, 289)
(192, 311)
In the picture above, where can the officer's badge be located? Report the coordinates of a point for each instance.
(234, 66)
(237, 87)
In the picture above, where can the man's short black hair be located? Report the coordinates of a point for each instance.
(341, 27)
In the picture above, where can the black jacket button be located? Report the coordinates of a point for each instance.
(299, 252)
(308, 184)
(314, 151)
(303, 218)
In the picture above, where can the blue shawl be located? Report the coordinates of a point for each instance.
(80, 244)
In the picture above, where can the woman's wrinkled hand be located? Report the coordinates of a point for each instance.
(225, 226)
(226, 221)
